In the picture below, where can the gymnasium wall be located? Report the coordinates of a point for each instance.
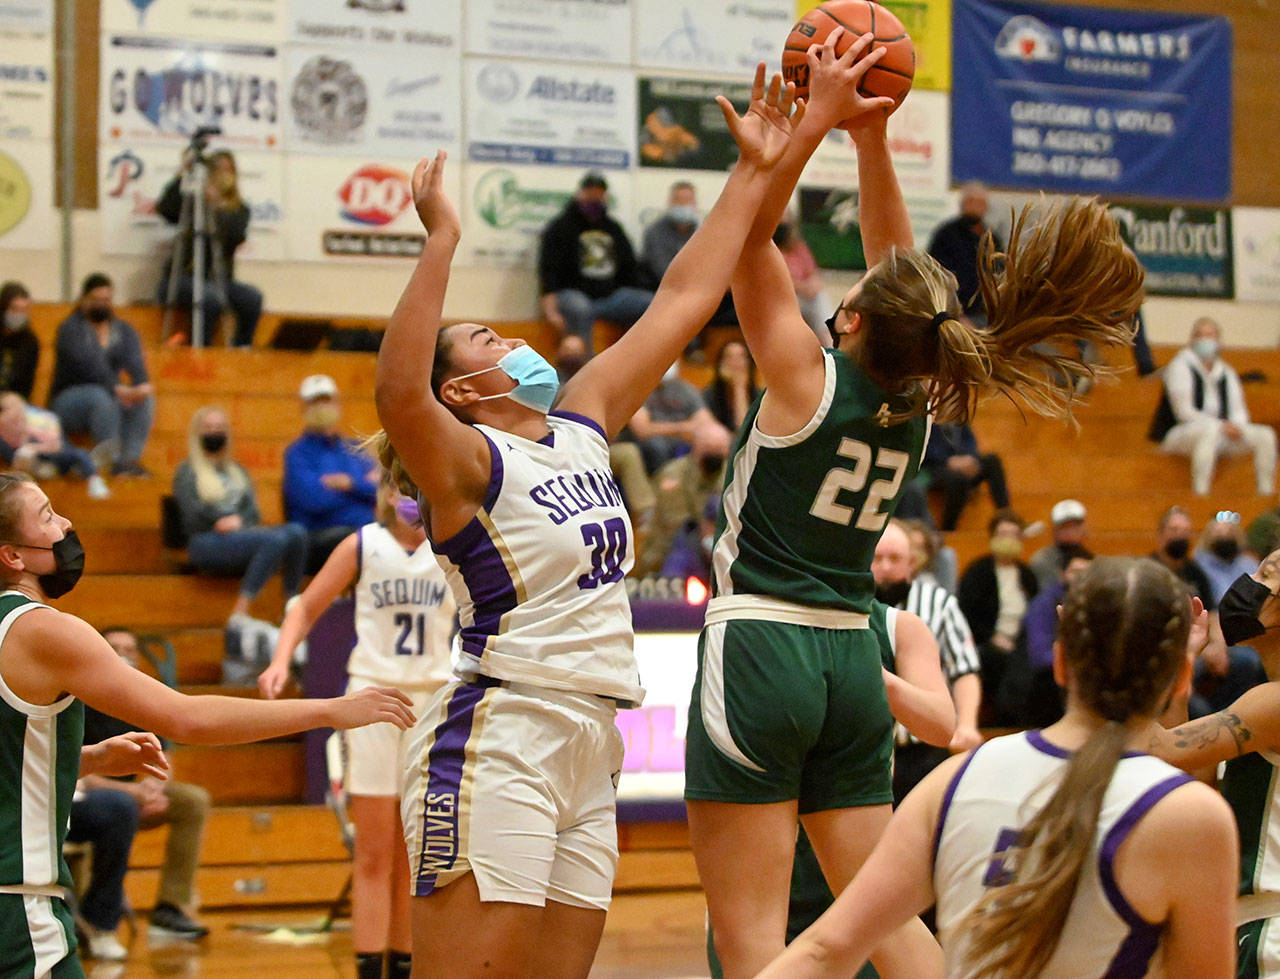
(486, 289)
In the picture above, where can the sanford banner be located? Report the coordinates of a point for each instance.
(1185, 250)
(1087, 100)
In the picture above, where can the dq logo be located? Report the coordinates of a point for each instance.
(375, 195)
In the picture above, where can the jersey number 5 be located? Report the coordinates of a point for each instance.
(854, 480)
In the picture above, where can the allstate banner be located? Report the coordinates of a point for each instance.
(1087, 100)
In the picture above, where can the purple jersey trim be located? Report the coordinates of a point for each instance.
(359, 551)
(573, 416)
(946, 803)
(459, 545)
(1038, 741)
(1135, 952)
(442, 802)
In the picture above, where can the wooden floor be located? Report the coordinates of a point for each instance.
(647, 936)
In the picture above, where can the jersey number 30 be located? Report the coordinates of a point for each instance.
(841, 479)
(608, 543)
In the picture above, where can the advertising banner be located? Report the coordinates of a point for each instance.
(563, 30)
(26, 89)
(428, 24)
(26, 201)
(537, 113)
(680, 125)
(1257, 253)
(653, 736)
(929, 24)
(716, 38)
(261, 20)
(26, 18)
(1089, 100)
(1185, 250)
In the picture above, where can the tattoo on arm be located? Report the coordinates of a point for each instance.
(1203, 733)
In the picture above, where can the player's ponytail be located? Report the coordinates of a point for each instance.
(379, 446)
(1124, 632)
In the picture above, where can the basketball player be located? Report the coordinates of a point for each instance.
(47, 660)
(509, 804)
(1061, 853)
(404, 618)
(788, 715)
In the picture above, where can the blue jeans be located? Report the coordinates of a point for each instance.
(108, 819)
(70, 458)
(622, 306)
(256, 553)
(245, 302)
(92, 408)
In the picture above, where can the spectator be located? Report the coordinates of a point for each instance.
(1204, 416)
(31, 441)
(1030, 692)
(184, 808)
(220, 515)
(668, 420)
(994, 593)
(1221, 553)
(587, 269)
(733, 389)
(690, 553)
(330, 486)
(107, 819)
(953, 464)
(955, 246)
(682, 487)
(933, 561)
(894, 569)
(805, 277)
(227, 217)
(1069, 532)
(94, 349)
(19, 346)
(667, 235)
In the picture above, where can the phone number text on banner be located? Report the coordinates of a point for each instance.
(1081, 99)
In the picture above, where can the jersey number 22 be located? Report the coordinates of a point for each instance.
(841, 479)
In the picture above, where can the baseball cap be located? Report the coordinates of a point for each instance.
(1064, 511)
(593, 180)
(317, 386)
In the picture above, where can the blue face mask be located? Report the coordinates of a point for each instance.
(536, 380)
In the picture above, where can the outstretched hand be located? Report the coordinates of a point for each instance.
(763, 131)
(435, 210)
(371, 705)
(834, 83)
(134, 753)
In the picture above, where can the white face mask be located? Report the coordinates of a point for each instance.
(1206, 348)
(15, 321)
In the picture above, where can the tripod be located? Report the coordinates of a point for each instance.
(197, 226)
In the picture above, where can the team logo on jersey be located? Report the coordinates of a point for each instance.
(375, 195)
(329, 100)
(1026, 38)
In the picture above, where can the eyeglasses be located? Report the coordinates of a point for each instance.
(1227, 516)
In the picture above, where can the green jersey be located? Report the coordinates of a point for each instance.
(1251, 785)
(802, 514)
(39, 762)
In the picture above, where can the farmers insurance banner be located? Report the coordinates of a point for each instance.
(1086, 100)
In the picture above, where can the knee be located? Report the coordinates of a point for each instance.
(120, 812)
(573, 303)
(295, 535)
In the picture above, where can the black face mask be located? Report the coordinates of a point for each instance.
(893, 593)
(214, 442)
(1239, 609)
(68, 562)
(1177, 548)
(97, 314)
(1225, 548)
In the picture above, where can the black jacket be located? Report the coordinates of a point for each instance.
(594, 257)
(955, 246)
(230, 228)
(19, 354)
(979, 596)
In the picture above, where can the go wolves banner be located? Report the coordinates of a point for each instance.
(1087, 100)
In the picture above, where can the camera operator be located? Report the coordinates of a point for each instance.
(224, 227)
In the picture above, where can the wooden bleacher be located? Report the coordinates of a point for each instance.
(253, 856)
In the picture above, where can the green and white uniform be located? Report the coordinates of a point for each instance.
(1252, 786)
(788, 702)
(39, 762)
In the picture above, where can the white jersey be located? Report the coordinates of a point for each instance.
(538, 572)
(996, 792)
(404, 613)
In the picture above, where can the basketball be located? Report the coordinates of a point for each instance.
(891, 76)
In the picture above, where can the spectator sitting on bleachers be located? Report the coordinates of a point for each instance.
(571, 356)
(806, 279)
(683, 486)
(183, 807)
(1221, 553)
(93, 349)
(220, 515)
(1203, 414)
(953, 464)
(587, 269)
(19, 346)
(330, 486)
(665, 424)
(31, 440)
(733, 388)
(1030, 692)
(933, 561)
(1069, 531)
(106, 817)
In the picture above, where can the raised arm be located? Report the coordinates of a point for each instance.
(447, 459)
(615, 383)
(918, 695)
(1252, 723)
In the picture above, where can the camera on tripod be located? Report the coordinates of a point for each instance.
(200, 141)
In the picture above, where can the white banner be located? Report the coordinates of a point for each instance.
(653, 188)
(160, 91)
(653, 735)
(26, 200)
(566, 30)
(349, 208)
(398, 101)
(504, 210)
(133, 176)
(259, 20)
(26, 89)
(524, 113)
(1257, 253)
(712, 37)
(26, 17)
(427, 24)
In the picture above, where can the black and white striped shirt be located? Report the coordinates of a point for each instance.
(940, 611)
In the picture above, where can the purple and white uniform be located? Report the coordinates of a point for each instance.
(995, 793)
(512, 768)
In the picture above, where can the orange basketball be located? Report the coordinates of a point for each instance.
(890, 76)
